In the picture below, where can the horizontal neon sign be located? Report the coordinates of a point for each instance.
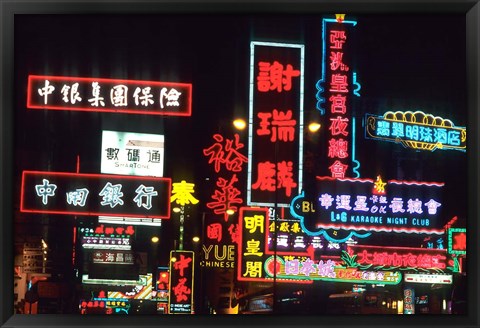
(95, 194)
(365, 204)
(416, 130)
(398, 258)
(109, 95)
(309, 269)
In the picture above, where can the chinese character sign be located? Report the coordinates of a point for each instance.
(408, 301)
(416, 130)
(109, 95)
(220, 239)
(403, 258)
(335, 90)
(457, 241)
(95, 194)
(373, 205)
(276, 123)
(180, 299)
(132, 153)
(251, 247)
(227, 158)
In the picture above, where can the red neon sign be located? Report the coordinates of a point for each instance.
(109, 95)
(399, 257)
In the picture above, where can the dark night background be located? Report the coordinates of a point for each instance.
(404, 64)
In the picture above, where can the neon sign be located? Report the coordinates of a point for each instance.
(335, 89)
(457, 241)
(109, 95)
(416, 130)
(225, 154)
(95, 194)
(180, 299)
(254, 264)
(396, 258)
(275, 157)
(368, 205)
(113, 257)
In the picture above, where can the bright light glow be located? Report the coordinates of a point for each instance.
(230, 211)
(196, 239)
(239, 124)
(155, 239)
(173, 259)
(176, 209)
(314, 126)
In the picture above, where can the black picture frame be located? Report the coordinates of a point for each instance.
(10, 8)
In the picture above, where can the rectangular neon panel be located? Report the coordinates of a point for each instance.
(275, 123)
(109, 95)
(95, 194)
(180, 299)
(402, 258)
(457, 241)
(421, 278)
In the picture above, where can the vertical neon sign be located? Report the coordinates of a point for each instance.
(335, 91)
(275, 152)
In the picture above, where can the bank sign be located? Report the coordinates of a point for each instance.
(371, 205)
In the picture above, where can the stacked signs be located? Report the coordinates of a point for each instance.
(135, 154)
(275, 157)
(180, 299)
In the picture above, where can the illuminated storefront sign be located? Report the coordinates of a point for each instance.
(445, 279)
(106, 237)
(254, 264)
(141, 291)
(132, 153)
(397, 258)
(113, 257)
(109, 95)
(227, 159)
(180, 300)
(142, 281)
(218, 247)
(95, 194)
(457, 241)
(368, 205)
(309, 269)
(162, 285)
(408, 301)
(416, 130)
(335, 90)
(275, 157)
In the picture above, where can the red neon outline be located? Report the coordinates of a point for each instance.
(383, 248)
(88, 175)
(381, 229)
(188, 86)
(418, 183)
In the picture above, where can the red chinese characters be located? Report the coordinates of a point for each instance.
(181, 282)
(339, 87)
(276, 123)
(225, 153)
